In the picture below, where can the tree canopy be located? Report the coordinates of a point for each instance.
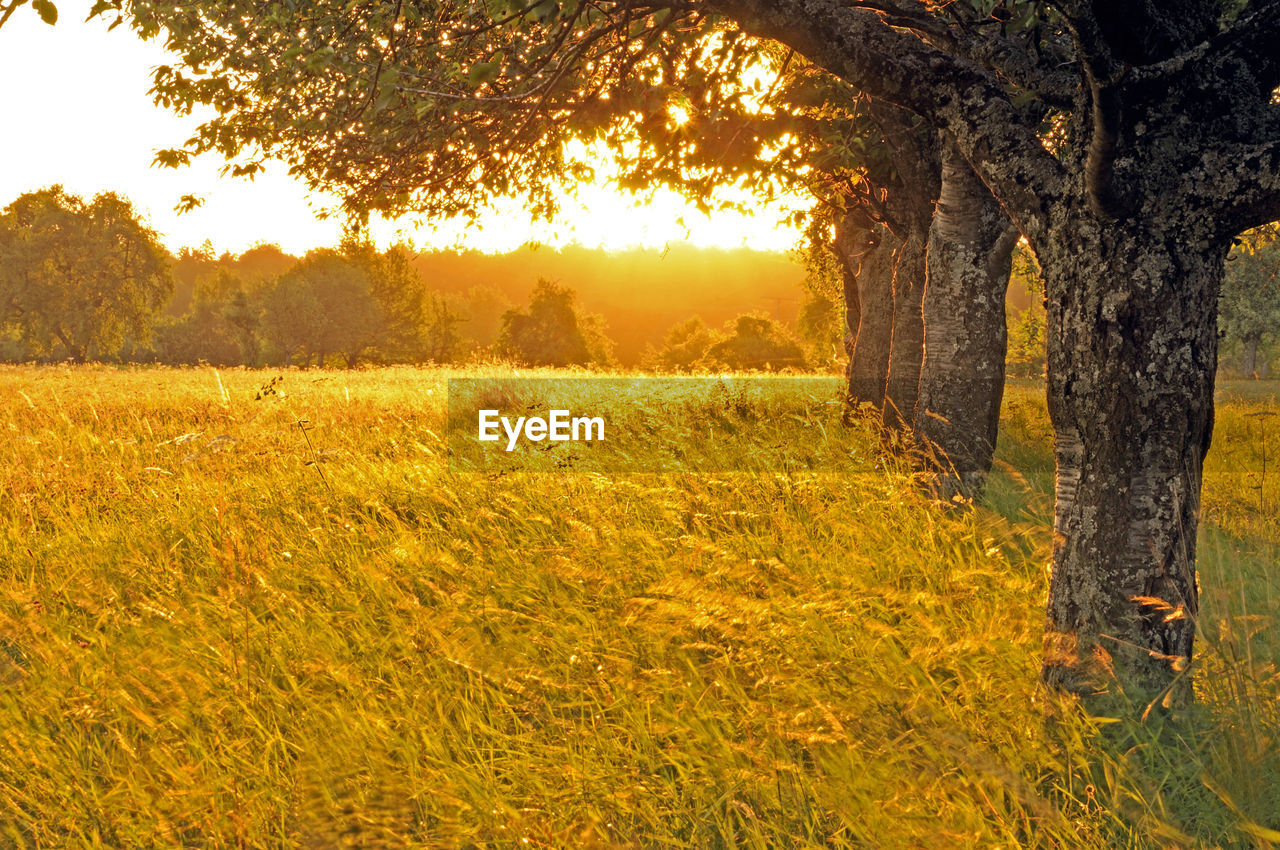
(77, 275)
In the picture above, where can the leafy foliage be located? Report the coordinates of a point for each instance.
(750, 343)
(47, 11)
(443, 108)
(1249, 306)
(77, 277)
(1027, 352)
(821, 327)
(551, 331)
(1027, 356)
(684, 349)
(755, 343)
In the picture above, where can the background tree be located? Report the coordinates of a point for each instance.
(551, 331)
(77, 278)
(481, 309)
(1027, 343)
(1250, 302)
(291, 319)
(684, 349)
(409, 324)
(821, 328)
(756, 343)
(441, 339)
(325, 305)
(246, 319)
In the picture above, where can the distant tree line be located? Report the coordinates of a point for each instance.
(88, 281)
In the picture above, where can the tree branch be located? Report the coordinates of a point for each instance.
(1248, 43)
(1249, 178)
(952, 93)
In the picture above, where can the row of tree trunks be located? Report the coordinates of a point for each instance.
(1169, 150)
(928, 325)
(1129, 443)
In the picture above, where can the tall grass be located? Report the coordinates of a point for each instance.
(218, 628)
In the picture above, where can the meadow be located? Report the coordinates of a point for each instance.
(259, 609)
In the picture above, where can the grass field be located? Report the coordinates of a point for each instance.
(219, 627)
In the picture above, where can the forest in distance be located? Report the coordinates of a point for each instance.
(655, 310)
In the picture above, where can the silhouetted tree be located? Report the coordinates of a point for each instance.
(684, 349)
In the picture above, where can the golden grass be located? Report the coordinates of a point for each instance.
(216, 630)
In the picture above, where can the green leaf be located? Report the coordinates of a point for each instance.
(545, 10)
(48, 11)
(482, 72)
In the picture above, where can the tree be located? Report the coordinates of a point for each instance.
(1027, 331)
(684, 349)
(204, 333)
(79, 277)
(440, 334)
(482, 308)
(1249, 306)
(821, 327)
(553, 332)
(962, 378)
(412, 322)
(324, 305)
(1129, 142)
(292, 318)
(756, 343)
(246, 320)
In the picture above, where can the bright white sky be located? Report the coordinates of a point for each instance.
(75, 111)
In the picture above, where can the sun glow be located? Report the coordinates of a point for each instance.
(101, 133)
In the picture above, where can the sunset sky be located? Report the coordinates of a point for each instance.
(77, 113)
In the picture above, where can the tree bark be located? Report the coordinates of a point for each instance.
(1132, 356)
(851, 243)
(869, 365)
(970, 255)
(907, 351)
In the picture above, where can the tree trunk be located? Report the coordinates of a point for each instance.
(1249, 362)
(851, 243)
(962, 378)
(1132, 353)
(869, 365)
(75, 352)
(907, 350)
